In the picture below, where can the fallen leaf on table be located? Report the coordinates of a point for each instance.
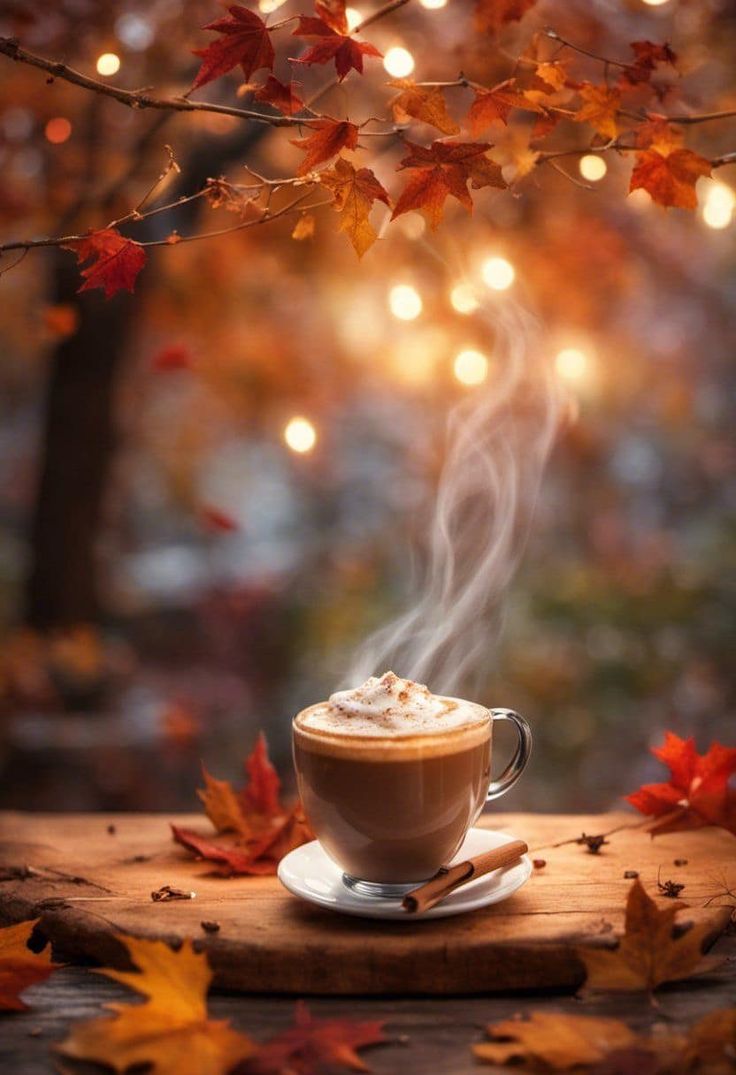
(256, 829)
(697, 793)
(649, 953)
(19, 966)
(312, 1045)
(711, 1043)
(554, 1039)
(170, 1031)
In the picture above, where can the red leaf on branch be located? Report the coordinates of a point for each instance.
(330, 45)
(443, 169)
(312, 1045)
(245, 41)
(670, 178)
(281, 96)
(354, 193)
(491, 15)
(495, 104)
(114, 261)
(329, 137)
(698, 791)
(333, 13)
(647, 57)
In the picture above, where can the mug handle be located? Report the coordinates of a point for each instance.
(516, 766)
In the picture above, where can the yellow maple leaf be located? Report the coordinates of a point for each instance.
(599, 108)
(171, 1030)
(425, 103)
(354, 193)
(557, 1040)
(20, 967)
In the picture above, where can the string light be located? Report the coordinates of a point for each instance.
(470, 367)
(353, 17)
(300, 435)
(405, 302)
(108, 63)
(498, 273)
(57, 130)
(718, 207)
(464, 299)
(592, 167)
(433, 5)
(572, 364)
(398, 62)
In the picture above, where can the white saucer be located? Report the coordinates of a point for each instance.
(310, 873)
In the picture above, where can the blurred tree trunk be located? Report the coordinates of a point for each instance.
(78, 435)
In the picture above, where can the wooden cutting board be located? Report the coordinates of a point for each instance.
(89, 877)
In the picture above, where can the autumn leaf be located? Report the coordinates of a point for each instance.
(670, 179)
(554, 1039)
(329, 137)
(313, 1045)
(331, 45)
(20, 967)
(245, 41)
(698, 791)
(113, 261)
(495, 104)
(443, 169)
(171, 1030)
(334, 13)
(355, 193)
(255, 828)
(304, 227)
(425, 103)
(711, 1043)
(223, 195)
(491, 15)
(647, 57)
(281, 96)
(600, 108)
(649, 953)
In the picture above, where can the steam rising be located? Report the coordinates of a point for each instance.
(498, 441)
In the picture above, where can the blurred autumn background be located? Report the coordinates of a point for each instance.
(211, 485)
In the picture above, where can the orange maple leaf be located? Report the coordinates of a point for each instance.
(697, 793)
(245, 41)
(647, 57)
(329, 137)
(355, 193)
(496, 103)
(312, 1045)
(114, 261)
(20, 967)
(491, 15)
(331, 45)
(600, 108)
(334, 13)
(443, 169)
(670, 178)
(425, 103)
(281, 96)
(554, 1039)
(170, 1031)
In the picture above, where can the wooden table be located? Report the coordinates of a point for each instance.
(430, 1033)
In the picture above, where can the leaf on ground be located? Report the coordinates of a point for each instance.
(554, 1039)
(355, 192)
(711, 1044)
(491, 15)
(328, 138)
(280, 95)
(698, 791)
(600, 108)
(170, 1031)
(313, 1045)
(255, 829)
(670, 179)
(650, 952)
(444, 169)
(346, 52)
(113, 261)
(244, 41)
(425, 103)
(495, 104)
(20, 967)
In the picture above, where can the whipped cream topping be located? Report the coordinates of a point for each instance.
(390, 706)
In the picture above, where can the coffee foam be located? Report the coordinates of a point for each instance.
(388, 707)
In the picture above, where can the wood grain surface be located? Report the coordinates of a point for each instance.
(91, 876)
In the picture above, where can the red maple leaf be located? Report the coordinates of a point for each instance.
(491, 15)
(245, 41)
(334, 13)
(114, 261)
(261, 793)
(648, 56)
(331, 45)
(697, 793)
(495, 104)
(670, 177)
(313, 1045)
(442, 169)
(279, 95)
(329, 137)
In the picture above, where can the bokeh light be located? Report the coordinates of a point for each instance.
(655, 3)
(354, 17)
(108, 63)
(433, 5)
(405, 302)
(57, 130)
(498, 273)
(572, 364)
(718, 208)
(592, 167)
(300, 435)
(134, 31)
(398, 62)
(470, 367)
(464, 298)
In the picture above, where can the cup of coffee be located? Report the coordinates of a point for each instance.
(391, 778)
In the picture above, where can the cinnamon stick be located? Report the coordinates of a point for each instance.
(448, 878)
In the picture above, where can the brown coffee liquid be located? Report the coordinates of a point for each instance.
(393, 810)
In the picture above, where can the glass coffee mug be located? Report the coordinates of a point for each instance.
(391, 810)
